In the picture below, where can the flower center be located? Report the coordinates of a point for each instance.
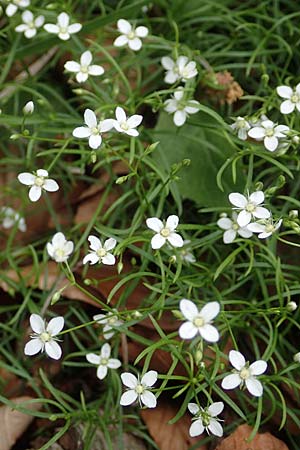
(84, 69)
(270, 228)
(39, 181)
(31, 25)
(185, 72)
(205, 419)
(104, 361)
(124, 126)
(250, 207)
(165, 232)
(131, 35)
(244, 373)
(95, 131)
(111, 320)
(199, 322)
(60, 252)
(295, 98)
(139, 389)
(269, 132)
(45, 336)
(101, 252)
(235, 226)
(63, 30)
(241, 123)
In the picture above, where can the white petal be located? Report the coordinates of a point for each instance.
(64, 36)
(108, 259)
(154, 224)
(149, 399)
(229, 236)
(193, 408)
(192, 107)
(258, 367)
(187, 330)
(92, 258)
(257, 133)
(172, 222)
(120, 114)
(237, 359)
(74, 28)
(237, 199)
(281, 130)
(244, 218)
(34, 193)
(81, 77)
(90, 118)
(157, 241)
(72, 66)
(257, 197)
(178, 94)
(121, 41)
(134, 121)
(254, 386)
(26, 178)
(124, 26)
(167, 63)
(175, 239)
(81, 132)
(267, 124)
(256, 227)
(95, 141)
(209, 333)
(128, 397)
(131, 132)
(30, 33)
(93, 358)
(95, 243)
(96, 70)
(101, 372)
(129, 380)
(141, 31)
(231, 381)
(196, 428)
(225, 223)
(63, 19)
(55, 325)
(51, 28)
(114, 363)
(170, 106)
(271, 143)
(135, 44)
(106, 125)
(86, 58)
(150, 378)
(11, 10)
(53, 349)
(188, 309)
(37, 323)
(284, 91)
(215, 428)
(210, 311)
(33, 347)
(261, 213)
(50, 185)
(109, 244)
(58, 239)
(244, 232)
(170, 77)
(179, 118)
(287, 107)
(21, 28)
(216, 408)
(39, 21)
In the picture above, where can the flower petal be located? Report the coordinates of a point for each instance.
(258, 367)
(50, 185)
(172, 222)
(95, 140)
(157, 241)
(284, 91)
(237, 359)
(175, 239)
(244, 218)
(215, 408)
(74, 28)
(93, 358)
(106, 125)
(55, 325)
(53, 349)
(135, 44)
(215, 428)
(193, 408)
(187, 330)
(95, 243)
(37, 323)
(149, 399)
(95, 70)
(209, 333)
(210, 311)
(154, 224)
(108, 259)
(124, 26)
(196, 428)
(81, 132)
(254, 386)
(120, 114)
(188, 309)
(287, 107)
(167, 62)
(257, 197)
(34, 193)
(114, 363)
(134, 121)
(26, 178)
(72, 66)
(86, 58)
(33, 347)
(101, 372)
(128, 397)
(257, 133)
(121, 41)
(90, 118)
(149, 378)
(271, 143)
(237, 199)
(261, 213)
(91, 258)
(129, 380)
(231, 381)
(51, 28)
(179, 118)
(141, 31)
(229, 236)
(225, 223)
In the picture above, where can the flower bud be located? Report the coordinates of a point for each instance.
(28, 108)
(136, 315)
(293, 213)
(296, 357)
(291, 306)
(172, 259)
(295, 139)
(120, 267)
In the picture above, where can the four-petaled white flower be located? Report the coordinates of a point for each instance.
(30, 24)
(181, 107)
(232, 228)
(292, 97)
(241, 126)
(181, 69)
(249, 207)
(10, 217)
(199, 322)
(44, 338)
(100, 252)
(206, 419)
(39, 182)
(110, 322)
(13, 6)
(244, 374)
(265, 228)
(93, 129)
(270, 133)
(130, 36)
(59, 248)
(165, 232)
(186, 254)
(84, 68)
(62, 27)
(139, 389)
(127, 125)
(103, 361)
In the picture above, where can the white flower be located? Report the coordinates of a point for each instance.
(11, 217)
(139, 389)
(110, 322)
(292, 97)
(43, 338)
(296, 357)
(103, 361)
(241, 126)
(84, 68)
(165, 232)
(60, 249)
(30, 24)
(199, 322)
(93, 129)
(130, 36)
(270, 133)
(232, 228)
(100, 253)
(249, 207)
(28, 108)
(180, 107)
(206, 419)
(181, 69)
(62, 27)
(127, 125)
(245, 373)
(266, 228)
(186, 254)
(39, 182)
(13, 6)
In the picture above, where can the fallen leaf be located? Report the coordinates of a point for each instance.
(238, 441)
(13, 423)
(169, 436)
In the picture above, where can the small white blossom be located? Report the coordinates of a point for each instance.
(44, 338)
(93, 129)
(110, 322)
(270, 133)
(100, 253)
(39, 182)
(59, 248)
(30, 24)
(241, 126)
(245, 374)
(180, 107)
(62, 27)
(292, 97)
(28, 108)
(130, 36)
(103, 361)
(181, 69)
(127, 125)
(249, 207)
(186, 253)
(232, 228)
(265, 228)
(84, 68)
(165, 232)
(205, 419)
(13, 6)
(296, 357)
(139, 389)
(199, 322)
(10, 217)
(291, 306)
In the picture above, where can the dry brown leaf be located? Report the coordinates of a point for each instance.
(238, 441)
(167, 436)
(13, 423)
